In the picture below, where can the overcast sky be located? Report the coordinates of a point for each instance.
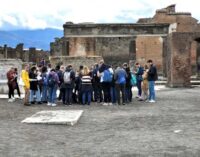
(31, 14)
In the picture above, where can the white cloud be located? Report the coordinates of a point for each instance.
(53, 13)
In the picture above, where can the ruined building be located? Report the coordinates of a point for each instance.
(170, 38)
(26, 55)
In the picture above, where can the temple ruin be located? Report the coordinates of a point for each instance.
(25, 55)
(170, 38)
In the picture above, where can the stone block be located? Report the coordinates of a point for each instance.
(65, 117)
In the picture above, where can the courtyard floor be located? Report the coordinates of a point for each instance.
(169, 127)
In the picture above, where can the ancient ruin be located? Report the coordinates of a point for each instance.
(26, 55)
(15, 57)
(170, 38)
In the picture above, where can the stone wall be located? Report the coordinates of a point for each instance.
(82, 46)
(30, 55)
(94, 30)
(150, 47)
(75, 61)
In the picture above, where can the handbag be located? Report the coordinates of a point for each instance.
(21, 82)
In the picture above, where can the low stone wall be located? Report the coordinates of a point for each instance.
(75, 61)
(5, 65)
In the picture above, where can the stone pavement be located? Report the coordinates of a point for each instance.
(168, 128)
(65, 117)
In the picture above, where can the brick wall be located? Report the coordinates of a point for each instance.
(149, 47)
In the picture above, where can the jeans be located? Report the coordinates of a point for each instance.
(152, 95)
(97, 92)
(68, 96)
(106, 91)
(88, 95)
(11, 91)
(44, 92)
(139, 86)
(37, 93)
(52, 94)
(129, 94)
(62, 95)
(113, 94)
(120, 88)
(18, 90)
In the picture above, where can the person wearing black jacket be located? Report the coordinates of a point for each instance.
(69, 86)
(152, 77)
(128, 93)
(34, 86)
(106, 86)
(96, 84)
(139, 72)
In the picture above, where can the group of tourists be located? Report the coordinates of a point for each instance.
(100, 83)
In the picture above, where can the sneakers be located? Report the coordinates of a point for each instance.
(20, 98)
(53, 105)
(105, 104)
(49, 104)
(13, 98)
(152, 101)
(10, 100)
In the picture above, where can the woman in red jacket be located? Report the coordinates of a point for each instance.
(11, 84)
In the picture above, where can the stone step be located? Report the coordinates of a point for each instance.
(193, 82)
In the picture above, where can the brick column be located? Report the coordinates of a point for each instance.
(179, 63)
(164, 55)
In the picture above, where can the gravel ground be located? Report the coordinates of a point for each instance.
(169, 127)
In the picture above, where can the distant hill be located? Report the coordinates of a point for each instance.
(39, 38)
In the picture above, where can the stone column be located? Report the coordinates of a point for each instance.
(19, 51)
(65, 47)
(132, 49)
(179, 63)
(165, 55)
(5, 52)
(132, 53)
(32, 54)
(198, 60)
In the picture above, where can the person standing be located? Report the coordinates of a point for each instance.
(96, 84)
(11, 84)
(128, 93)
(44, 90)
(139, 73)
(69, 81)
(17, 85)
(34, 86)
(86, 86)
(152, 77)
(53, 82)
(25, 79)
(106, 75)
(145, 84)
(120, 77)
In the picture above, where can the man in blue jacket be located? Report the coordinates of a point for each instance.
(120, 76)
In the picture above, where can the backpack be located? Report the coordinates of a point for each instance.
(133, 80)
(51, 81)
(107, 76)
(67, 77)
(122, 80)
(44, 80)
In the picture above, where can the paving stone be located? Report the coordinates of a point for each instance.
(68, 117)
